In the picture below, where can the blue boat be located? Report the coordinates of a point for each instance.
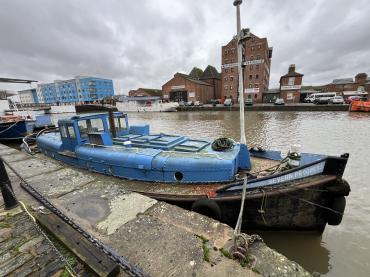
(300, 191)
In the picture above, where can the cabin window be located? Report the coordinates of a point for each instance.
(90, 126)
(63, 131)
(120, 124)
(71, 132)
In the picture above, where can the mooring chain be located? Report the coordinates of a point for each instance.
(131, 270)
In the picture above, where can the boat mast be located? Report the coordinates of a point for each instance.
(237, 4)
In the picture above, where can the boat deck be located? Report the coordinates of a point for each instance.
(163, 141)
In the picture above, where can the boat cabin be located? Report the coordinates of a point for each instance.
(106, 143)
(93, 129)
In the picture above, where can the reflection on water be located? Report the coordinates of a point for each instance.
(342, 250)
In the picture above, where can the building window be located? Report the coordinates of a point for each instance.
(226, 70)
(231, 78)
(225, 87)
(259, 46)
(291, 81)
(232, 70)
(252, 57)
(252, 48)
(257, 66)
(250, 86)
(258, 57)
(231, 87)
(251, 67)
(257, 76)
(250, 77)
(256, 85)
(225, 78)
(255, 96)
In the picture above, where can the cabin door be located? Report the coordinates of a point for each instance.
(68, 135)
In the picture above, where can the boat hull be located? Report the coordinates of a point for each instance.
(298, 199)
(360, 106)
(15, 130)
(304, 205)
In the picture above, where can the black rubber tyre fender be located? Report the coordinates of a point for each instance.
(340, 188)
(207, 207)
(338, 204)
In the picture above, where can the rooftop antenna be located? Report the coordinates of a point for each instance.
(237, 4)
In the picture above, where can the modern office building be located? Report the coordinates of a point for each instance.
(256, 67)
(81, 89)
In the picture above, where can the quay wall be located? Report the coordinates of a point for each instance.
(269, 107)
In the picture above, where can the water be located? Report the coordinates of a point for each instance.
(342, 250)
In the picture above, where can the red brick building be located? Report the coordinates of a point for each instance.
(199, 86)
(256, 67)
(145, 92)
(347, 87)
(290, 85)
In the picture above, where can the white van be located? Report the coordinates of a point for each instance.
(325, 97)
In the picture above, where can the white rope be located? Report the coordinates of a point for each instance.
(240, 217)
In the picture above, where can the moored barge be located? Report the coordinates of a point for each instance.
(299, 192)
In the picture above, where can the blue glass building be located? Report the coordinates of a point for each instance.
(81, 89)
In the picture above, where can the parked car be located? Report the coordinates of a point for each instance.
(336, 100)
(352, 98)
(228, 102)
(181, 103)
(248, 102)
(323, 100)
(189, 103)
(279, 101)
(198, 103)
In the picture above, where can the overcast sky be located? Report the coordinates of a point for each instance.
(143, 43)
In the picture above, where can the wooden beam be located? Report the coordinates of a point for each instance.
(93, 257)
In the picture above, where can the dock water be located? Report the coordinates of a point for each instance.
(159, 238)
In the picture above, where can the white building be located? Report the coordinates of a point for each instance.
(26, 96)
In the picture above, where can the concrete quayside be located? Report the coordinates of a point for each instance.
(157, 238)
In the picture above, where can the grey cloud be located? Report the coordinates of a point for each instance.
(143, 43)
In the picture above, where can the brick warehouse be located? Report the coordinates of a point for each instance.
(256, 67)
(347, 87)
(195, 86)
(290, 85)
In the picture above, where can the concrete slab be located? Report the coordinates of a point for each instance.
(17, 156)
(59, 182)
(161, 249)
(212, 230)
(34, 167)
(8, 151)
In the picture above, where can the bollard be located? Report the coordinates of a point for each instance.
(6, 188)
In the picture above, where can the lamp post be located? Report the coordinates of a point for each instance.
(237, 4)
